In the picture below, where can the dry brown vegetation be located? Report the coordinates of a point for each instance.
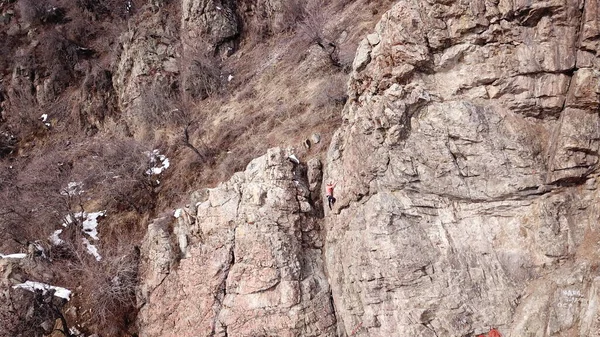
(288, 82)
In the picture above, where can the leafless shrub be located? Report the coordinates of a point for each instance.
(201, 74)
(106, 287)
(313, 22)
(57, 57)
(40, 193)
(116, 170)
(191, 137)
(31, 195)
(293, 12)
(8, 46)
(166, 107)
(41, 12)
(22, 109)
(158, 101)
(312, 29)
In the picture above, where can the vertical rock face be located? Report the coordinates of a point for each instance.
(467, 173)
(250, 260)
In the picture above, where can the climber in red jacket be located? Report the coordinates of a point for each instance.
(494, 333)
(329, 189)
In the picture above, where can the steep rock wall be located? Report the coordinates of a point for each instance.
(243, 259)
(467, 173)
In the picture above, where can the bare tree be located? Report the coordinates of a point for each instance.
(106, 287)
(169, 108)
(190, 125)
(312, 27)
(30, 194)
(200, 74)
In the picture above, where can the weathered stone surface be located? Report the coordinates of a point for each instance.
(146, 61)
(212, 21)
(467, 192)
(252, 265)
(467, 173)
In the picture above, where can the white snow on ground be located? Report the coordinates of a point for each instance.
(178, 213)
(44, 117)
(89, 227)
(73, 189)
(40, 249)
(55, 239)
(91, 222)
(13, 256)
(93, 250)
(294, 159)
(75, 332)
(159, 161)
(33, 286)
(229, 78)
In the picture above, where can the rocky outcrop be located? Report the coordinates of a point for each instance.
(180, 50)
(467, 172)
(249, 259)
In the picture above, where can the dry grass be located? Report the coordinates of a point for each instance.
(284, 89)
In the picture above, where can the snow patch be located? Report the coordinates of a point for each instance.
(55, 239)
(158, 161)
(40, 249)
(93, 250)
(33, 286)
(73, 189)
(74, 331)
(13, 256)
(294, 159)
(229, 78)
(90, 224)
(178, 213)
(44, 117)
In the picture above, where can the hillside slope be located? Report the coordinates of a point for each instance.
(117, 110)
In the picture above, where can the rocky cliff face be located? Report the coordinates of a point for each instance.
(247, 260)
(467, 194)
(467, 167)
